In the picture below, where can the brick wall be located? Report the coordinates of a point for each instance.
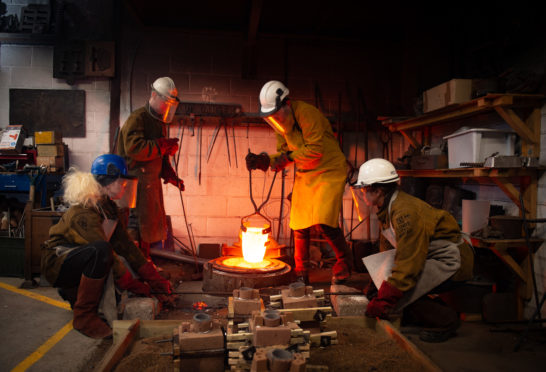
(31, 67)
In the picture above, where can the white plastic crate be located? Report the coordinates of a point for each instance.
(475, 145)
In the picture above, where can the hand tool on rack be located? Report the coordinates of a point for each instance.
(234, 145)
(199, 143)
(201, 122)
(192, 121)
(221, 123)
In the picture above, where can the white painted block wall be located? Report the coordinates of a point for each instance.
(31, 67)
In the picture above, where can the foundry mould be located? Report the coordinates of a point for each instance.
(277, 360)
(221, 276)
(198, 335)
(273, 328)
(265, 330)
(298, 295)
(200, 341)
(244, 301)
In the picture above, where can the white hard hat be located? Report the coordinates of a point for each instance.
(272, 96)
(165, 86)
(376, 171)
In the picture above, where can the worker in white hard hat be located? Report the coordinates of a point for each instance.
(430, 254)
(142, 142)
(305, 138)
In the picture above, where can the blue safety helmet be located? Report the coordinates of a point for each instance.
(108, 167)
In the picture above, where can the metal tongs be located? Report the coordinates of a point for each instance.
(256, 208)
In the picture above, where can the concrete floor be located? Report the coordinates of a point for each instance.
(38, 337)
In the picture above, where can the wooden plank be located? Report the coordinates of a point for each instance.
(411, 140)
(388, 329)
(116, 352)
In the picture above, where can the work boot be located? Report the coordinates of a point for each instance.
(438, 321)
(86, 319)
(302, 276)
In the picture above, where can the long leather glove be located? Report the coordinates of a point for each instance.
(158, 284)
(169, 175)
(167, 146)
(382, 305)
(128, 282)
(281, 161)
(260, 161)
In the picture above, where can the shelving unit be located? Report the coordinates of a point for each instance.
(522, 113)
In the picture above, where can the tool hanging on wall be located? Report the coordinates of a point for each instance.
(221, 124)
(199, 143)
(180, 138)
(234, 144)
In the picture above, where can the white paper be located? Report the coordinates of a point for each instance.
(379, 266)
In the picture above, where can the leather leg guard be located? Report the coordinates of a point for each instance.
(86, 319)
(342, 268)
(301, 255)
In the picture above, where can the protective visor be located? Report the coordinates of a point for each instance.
(361, 203)
(275, 124)
(127, 193)
(165, 107)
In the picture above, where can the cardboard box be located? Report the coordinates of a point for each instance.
(53, 163)
(48, 137)
(12, 139)
(446, 94)
(51, 150)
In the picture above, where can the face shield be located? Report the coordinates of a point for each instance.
(281, 121)
(164, 107)
(123, 191)
(363, 201)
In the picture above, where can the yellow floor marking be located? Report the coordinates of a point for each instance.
(24, 292)
(42, 350)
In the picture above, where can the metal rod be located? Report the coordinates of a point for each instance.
(177, 257)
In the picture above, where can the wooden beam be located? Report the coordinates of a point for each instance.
(116, 351)
(249, 59)
(509, 189)
(410, 138)
(516, 123)
(387, 328)
(533, 123)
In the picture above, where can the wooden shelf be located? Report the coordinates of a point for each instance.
(469, 172)
(27, 38)
(528, 128)
(477, 106)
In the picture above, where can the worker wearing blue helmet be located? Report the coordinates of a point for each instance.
(89, 241)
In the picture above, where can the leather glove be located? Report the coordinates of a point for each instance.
(167, 146)
(382, 305)
(260, 161)
(169, 175)
(133, 285)
(176, 182)
(158, 284)
(281, 161)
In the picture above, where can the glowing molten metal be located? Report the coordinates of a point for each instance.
(253, 242)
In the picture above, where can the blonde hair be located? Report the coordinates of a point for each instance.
(81, 188)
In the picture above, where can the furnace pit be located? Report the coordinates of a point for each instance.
(224, 274)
